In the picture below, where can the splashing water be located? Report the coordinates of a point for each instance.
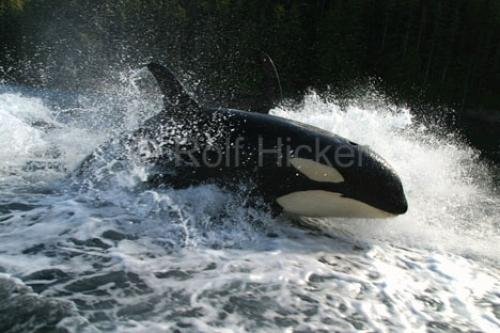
(452, 204)
(122, 258)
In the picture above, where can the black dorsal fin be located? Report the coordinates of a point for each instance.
(174, 93)
(272, 85)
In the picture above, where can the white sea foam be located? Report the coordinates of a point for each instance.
(198, 259)
(452, 206)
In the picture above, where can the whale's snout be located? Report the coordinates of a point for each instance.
(366, 188)
(374, 182)
(399, 203)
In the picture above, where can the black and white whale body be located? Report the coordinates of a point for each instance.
(294, 167)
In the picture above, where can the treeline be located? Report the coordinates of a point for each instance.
(445, 52)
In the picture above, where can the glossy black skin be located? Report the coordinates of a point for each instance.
(183, 125)
(368, 178)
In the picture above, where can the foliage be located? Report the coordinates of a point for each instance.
(444, 52)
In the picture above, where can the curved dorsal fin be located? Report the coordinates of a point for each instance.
(272, 86)
(174, 93)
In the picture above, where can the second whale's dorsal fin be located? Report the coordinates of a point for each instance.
(174, 93)
(272, 90)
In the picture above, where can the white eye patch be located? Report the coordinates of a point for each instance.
(317, 171)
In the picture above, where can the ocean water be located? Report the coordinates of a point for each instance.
(105, 255)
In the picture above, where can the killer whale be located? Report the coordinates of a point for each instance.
(296, 168)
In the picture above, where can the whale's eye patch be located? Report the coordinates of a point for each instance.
(352, 143)
(317, 171)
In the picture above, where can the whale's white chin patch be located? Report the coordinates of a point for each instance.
(328, 204)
